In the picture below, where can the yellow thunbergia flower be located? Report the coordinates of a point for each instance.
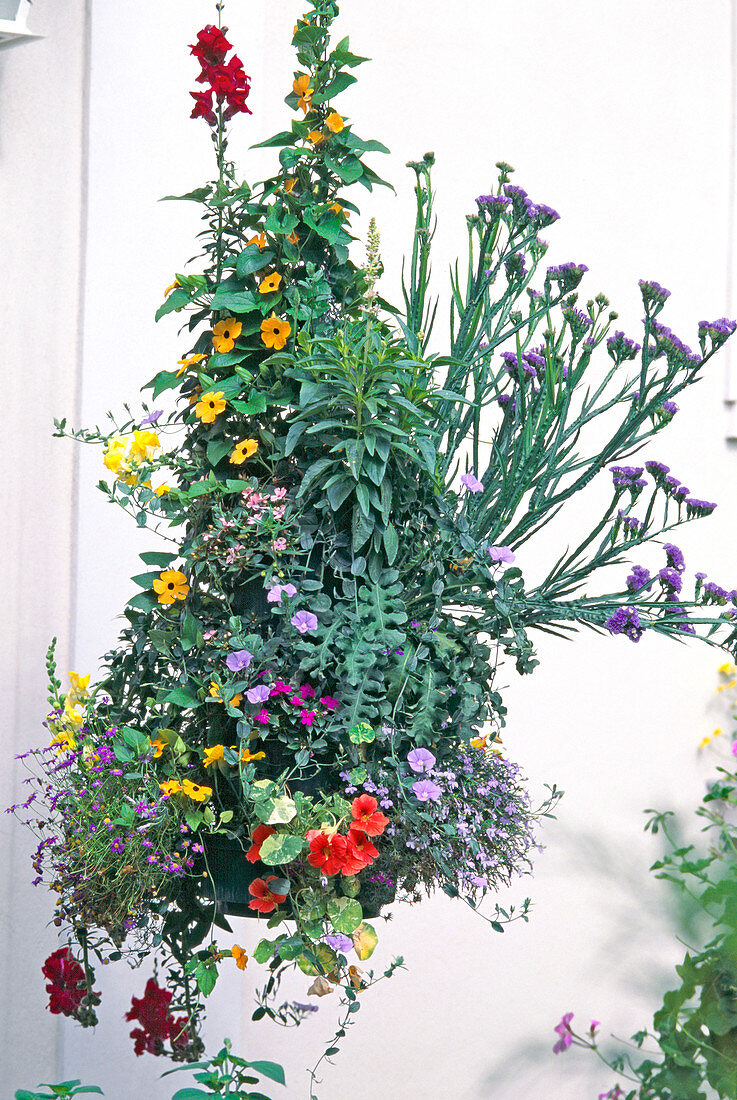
(173, 286)
(301, 87)
(247, 756)
(170, 585)
(270, 284)
(240, 956)
(196, 792)
(209, 406)
(159, 745)
(172, 786)
(259, 239)
(213, 755)
(225, 333)
(289, 184)
(162, 490)
(315, 137)
(243, 450)
(334, 122)
(275, 332)
(187, 362)
(236, 699)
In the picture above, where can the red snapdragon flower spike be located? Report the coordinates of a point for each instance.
(203, 107)
(327, 853)
(66, 986)
(152, 1011)
(211, 45)
(367, 816)
(260, 834)
(264, 900)
(179, 1035)
(227, 80)
(365, 851)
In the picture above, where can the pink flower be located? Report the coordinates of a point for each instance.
(307, 717)
(276, 592)
(472, 483)
(307, 692)
(280, 688)
(279, 493)
(566, 1035)
(594, 1025)
(279, 512)
(279, 544)
(500, 553)
(262, 717)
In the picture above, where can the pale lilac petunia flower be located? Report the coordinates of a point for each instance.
(500, 553)
(238, 660)
(426, 791)
(275, 594)
(151, 418)
(304, 621)
(421, 760)
(472, 483)
(339, 942)
(258, 694)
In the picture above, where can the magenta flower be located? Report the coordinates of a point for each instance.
(258, 694)
(564, 1031)
(328, 702)
(472, 483)
(421, 760)
(262, 717)
(426, 791)
(500, 553)
(307, 692)
(274, 595)
(594, 1025)
(304, 621)
(238, 660)
(307, 717)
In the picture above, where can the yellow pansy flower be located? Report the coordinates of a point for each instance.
(243, 450)
(210, 406)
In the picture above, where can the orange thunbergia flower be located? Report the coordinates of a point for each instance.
(187, 362)
(289, 184)
(240, 956)
(170, 585)
(194, 396)
(173, 286)
(315, 137)
(259, 239)
(302, 88)
(213, 755)
(243, 450)
(338, 209)
(270, 284)
(225, 333)
(209, 406)
(195, 792)
(275, 332)
(293, 238)
(236, 700)
(172, 786)
(158, 745)
(334, 122)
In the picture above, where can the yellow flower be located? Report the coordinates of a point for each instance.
(225, 333)
(144, 445)
(71, 715)
(158, 745)
(235, 701)
(334, 122)
(213, 755)
(195, 792)
(170, 585)
(270, 284)
(301, 87)
(162, 490)
(79, 686)
(173, 286)
(215, 691)
(172, 786)
(241, 958)
(243, 450)
(338, 209)
(259, 239)
(209, 406)
(289, 184)
(274, 332)
(293, 238)
(64, 741)
(315, 137)
(247, 756)
(479, 742)
(187, 362)
(116, 453)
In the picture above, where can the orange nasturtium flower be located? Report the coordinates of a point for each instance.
(315, 137)
(302, 89)
(209, 406)
(247, 756)
(241, 958)
(275, 332)
(196, 792)
(259, 239)
(172, 786)
(334, 122)
(243, 450)
(293, 238)
(270, 284)
(187, 362)
(171, 585)
(159, 745)
(225, 333)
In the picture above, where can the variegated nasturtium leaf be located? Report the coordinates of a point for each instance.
(326, 957)
(362, 733)
(345, 915)
(365, 940)
(280, 848)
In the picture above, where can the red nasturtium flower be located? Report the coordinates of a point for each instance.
(327, 853)
(264, 901)
(367, 816)
(362, 846)
(66, 986)
(260, 834)
(151, 1011)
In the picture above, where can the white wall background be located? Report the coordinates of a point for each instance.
(619, 117)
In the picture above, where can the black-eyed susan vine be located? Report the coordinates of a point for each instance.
(303, 700)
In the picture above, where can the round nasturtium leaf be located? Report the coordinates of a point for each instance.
(325, 956)
(362, 733)
(365, 940)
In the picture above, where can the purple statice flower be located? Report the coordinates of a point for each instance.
(523, 209)
(578, 321)
(653, 292)
(339, 942)
(117, 845)
(621, 348)
(304, 621)
(278, 591)
(631, 524)
(714, 593)
(546, 215)
(507, 402)
(501, 553)
(658, 471)
(563, 1029)
(238, 660)
(667, 410)
(678, 611)
(625, 620)
(471, 482)
(718, 331)
(674, 348)
(421, 760)
(258, 694)
(675, 556)
(515, 266)
(670, 579)
(567, 275)
(427, 791)
(151, 418)
(639, 578)
(511, 363)
(697, 508)
(533, 363)
(494, 202)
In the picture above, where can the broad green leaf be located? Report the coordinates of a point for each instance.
(345, 915)
(177, 300)
(283, 810)
(272, 1070)
(252, 259)
(157, 557)
(281, 848)
(361, 733)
